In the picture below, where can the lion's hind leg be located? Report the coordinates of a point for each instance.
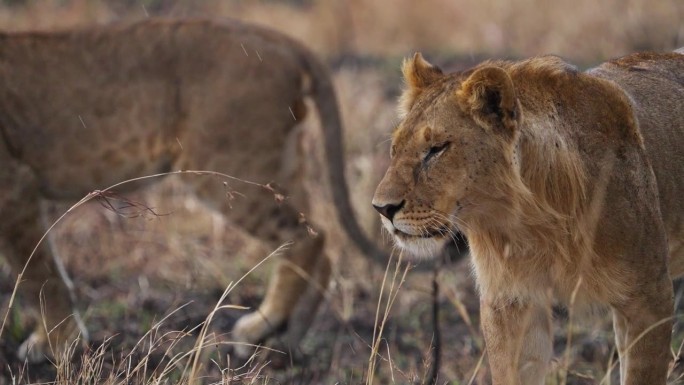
(300, 279)
(303, 315)
(295, 289)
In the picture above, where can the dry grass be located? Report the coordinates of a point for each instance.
(132, 272)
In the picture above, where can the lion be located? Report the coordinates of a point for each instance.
(568, 186)
(84, 109)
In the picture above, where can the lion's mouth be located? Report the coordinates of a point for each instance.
(427, 234)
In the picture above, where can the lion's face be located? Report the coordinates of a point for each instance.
(448, 155)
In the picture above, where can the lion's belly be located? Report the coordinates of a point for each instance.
(80, 168)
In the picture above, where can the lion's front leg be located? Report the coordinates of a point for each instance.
(42, 286)
(643, 327)
(518, 339)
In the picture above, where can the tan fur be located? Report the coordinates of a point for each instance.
(84, 109)
(568, 187)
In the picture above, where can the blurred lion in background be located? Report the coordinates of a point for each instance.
(84, 109)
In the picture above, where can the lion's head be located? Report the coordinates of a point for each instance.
(453, 156)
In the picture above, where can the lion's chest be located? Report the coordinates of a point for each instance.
(544, 275)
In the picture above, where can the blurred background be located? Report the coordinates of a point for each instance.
(584, 31)
(131, 272)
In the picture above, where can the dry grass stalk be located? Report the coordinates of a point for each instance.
(395, 285)
(92, 368)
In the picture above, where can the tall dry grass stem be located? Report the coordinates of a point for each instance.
(379, 328)
(93, 365)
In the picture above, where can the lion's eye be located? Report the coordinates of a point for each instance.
(435, 151)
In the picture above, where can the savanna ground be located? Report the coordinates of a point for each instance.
(133, 270)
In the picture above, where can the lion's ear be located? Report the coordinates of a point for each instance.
(418, 74)
(489, 96)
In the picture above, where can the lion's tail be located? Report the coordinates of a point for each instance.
(323, 94)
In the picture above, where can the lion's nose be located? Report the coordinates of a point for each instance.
(389, 210)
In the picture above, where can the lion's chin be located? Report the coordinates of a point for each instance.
(426, 246)
(419, 247)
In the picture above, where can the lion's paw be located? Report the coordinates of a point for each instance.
(248, 332)
(35, 349)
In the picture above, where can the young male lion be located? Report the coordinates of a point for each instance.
(566, 184)
(81, 110)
